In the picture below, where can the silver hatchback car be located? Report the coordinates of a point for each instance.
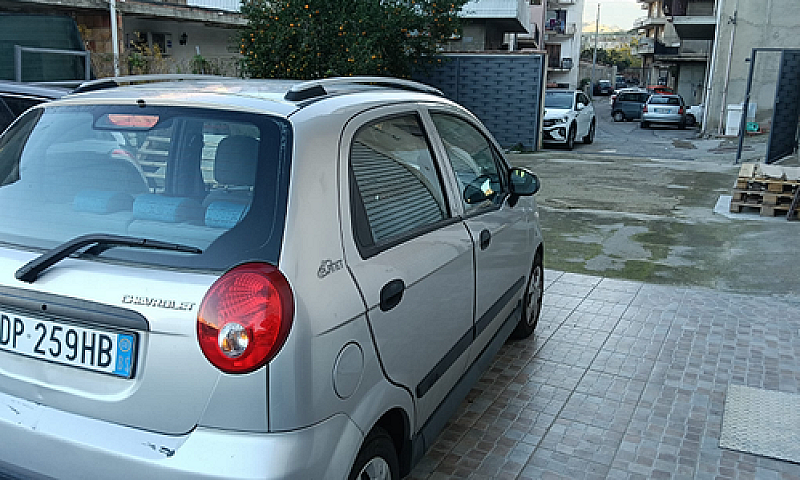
(221, 278)
(664, 109)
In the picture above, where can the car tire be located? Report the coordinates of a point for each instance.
(571, 137)
(644, 124)
(589, 138)
(619, 116)
(690, 120)
(531, 301)
(377, 459)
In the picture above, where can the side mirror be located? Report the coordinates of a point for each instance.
(579, 106)
(523, 182)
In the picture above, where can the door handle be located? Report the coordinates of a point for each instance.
(391, 294)
(485, 239)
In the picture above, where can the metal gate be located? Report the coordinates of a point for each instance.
(783, 136)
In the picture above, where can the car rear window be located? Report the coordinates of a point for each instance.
(208, 179)
(665, 100)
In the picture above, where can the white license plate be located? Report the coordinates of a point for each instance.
(93, 349)
(663, 110)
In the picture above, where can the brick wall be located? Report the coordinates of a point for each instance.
(503, 90)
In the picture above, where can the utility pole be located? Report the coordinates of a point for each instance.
(594, 56)
(112, 4)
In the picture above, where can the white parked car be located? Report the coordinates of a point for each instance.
(224, 278)
(568, 114)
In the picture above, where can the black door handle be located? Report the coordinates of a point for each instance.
(486, 239)
(391, 294)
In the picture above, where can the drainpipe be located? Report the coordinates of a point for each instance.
(711, 69)
(732, 22)
(114, 40)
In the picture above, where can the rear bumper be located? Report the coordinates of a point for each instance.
(41, 442)
(663, 118)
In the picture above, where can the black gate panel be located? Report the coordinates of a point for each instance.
(783, 137)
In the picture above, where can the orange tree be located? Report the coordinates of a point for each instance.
(321, 38)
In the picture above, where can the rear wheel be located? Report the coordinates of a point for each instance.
(589, 138)
(377, 459)
(619, 116)
(531, 301)
(690, 120)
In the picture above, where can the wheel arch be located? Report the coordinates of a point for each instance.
(398, 426)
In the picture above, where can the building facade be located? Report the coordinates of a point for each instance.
(179, 36)
(562, 39)
(702, 48)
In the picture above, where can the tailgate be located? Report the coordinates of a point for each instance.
(106, 341)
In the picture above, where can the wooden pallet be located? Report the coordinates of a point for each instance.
(767, 189)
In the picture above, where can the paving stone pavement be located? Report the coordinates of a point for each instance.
(623, 380)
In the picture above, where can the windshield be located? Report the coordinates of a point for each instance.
(561, 100)
(181, 175)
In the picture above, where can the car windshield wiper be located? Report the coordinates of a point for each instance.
(98, 243)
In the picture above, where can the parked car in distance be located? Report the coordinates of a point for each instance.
(628, 103)
(274, 279)
(664, 110)
(15, 98)
(660, 89)
(694, 114)
(568, 114)
(603, 87)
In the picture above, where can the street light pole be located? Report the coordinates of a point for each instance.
(594, 56)
(114, 40)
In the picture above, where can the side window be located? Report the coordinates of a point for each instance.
(397, 184)
(474, 161)
(583, 99)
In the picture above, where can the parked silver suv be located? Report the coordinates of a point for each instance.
(223, 278)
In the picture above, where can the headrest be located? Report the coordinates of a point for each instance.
(167, 209)
(236, 160)
(225, 214)
(100, 201)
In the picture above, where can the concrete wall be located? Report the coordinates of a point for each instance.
(691, 79)
(503, 90)
(765, 23)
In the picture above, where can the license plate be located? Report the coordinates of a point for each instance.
(93, 349)
(663, 110)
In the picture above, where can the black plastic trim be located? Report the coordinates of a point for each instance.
(74, 309)
(466, 340)
(438, 420)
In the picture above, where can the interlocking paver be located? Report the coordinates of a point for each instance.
(623, 380)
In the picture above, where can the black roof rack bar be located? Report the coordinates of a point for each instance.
(316, 88)
(113, 82)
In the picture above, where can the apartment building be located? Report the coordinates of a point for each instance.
(562, 40)
(702, 48)
(490, 25)
(172, 34)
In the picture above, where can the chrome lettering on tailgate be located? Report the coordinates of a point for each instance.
(157, 302)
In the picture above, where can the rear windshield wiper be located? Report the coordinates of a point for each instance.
(98, 243)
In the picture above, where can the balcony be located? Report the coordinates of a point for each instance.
(510, 16)
(555, 64)
(692, 20)
(556, 28)
(227, 5)
(645, 46)
(689, 51)
(644, 22)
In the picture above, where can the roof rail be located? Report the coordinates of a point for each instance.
(113, 82)
(317, 88)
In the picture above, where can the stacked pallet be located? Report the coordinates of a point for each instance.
(768, 189)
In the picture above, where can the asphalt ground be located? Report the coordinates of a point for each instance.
(657, 305)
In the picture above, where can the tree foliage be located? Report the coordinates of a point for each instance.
(309, 39)
(622, 58)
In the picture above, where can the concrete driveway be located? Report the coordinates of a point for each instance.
(669, 343)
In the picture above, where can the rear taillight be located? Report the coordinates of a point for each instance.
(644, 109)
(680, 111)
(245, 318)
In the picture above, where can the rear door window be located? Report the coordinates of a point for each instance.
(177, 175)
(398, 185)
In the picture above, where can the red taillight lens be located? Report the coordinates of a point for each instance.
(680, 111)
(245, 318)
(644, 109)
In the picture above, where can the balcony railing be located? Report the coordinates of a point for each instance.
(555, 63)
(227, 5)
(555, 27)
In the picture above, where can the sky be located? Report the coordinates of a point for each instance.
(621, 13)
